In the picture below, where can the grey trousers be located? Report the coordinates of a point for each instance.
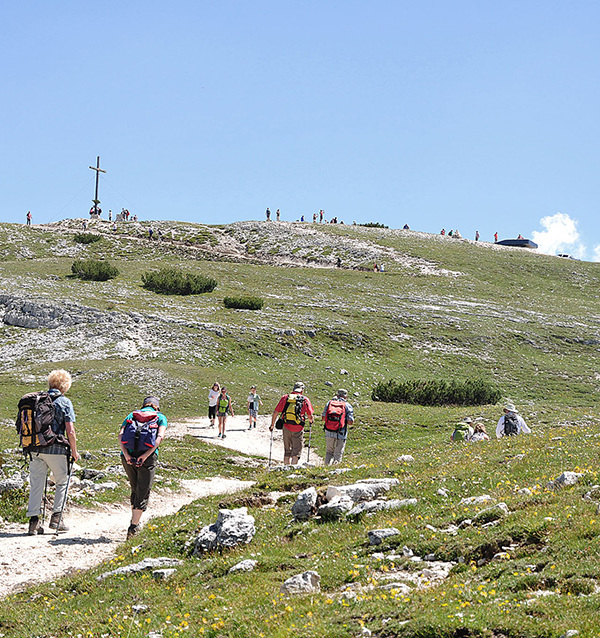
(334, 450)
(38, 470)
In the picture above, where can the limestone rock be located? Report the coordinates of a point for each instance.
(306, 583)
(377, 536)
(233, 527)
(304, 507)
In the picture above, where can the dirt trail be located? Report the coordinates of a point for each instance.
(95, 535)
(238, 437)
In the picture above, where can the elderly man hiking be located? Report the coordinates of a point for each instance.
(511, 423)
(290, 415)
(46, 428)
(337, 415)
(141, 433)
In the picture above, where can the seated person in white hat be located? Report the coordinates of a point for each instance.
(511, 423)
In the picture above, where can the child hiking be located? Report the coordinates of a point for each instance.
(254, 403)
(224, 407)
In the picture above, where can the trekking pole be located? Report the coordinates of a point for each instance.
(44, 506)
(309, 438)
(62, 509)
(271, 447)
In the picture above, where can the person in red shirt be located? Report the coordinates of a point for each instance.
(294, 409)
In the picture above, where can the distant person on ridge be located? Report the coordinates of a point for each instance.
(268, 214)
(476, 235)
(443, 232)
(141, 433)
(337, 415)
(511, 423)
(293, 408)
(321, 213)
(28, 218)
(495, 237)
(278, 215)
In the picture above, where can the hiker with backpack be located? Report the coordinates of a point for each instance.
(141, 433)
(224, 406)
(290, 416)
(337, 415)
(511, 423)
(46, 426)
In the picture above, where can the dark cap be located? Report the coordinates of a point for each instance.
(153, 401)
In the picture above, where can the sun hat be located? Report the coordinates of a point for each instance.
(298, 386)
(151, 401)
(342, 393)
(468, 419)
(510, 407)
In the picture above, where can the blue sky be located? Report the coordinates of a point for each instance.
(474, 115)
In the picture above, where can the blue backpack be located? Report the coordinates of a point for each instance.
(139, 433)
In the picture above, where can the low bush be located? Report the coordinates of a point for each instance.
(86, 238)
(437, 392)
(94, 270)
(244, 303)
(170, 281)
(374, 225)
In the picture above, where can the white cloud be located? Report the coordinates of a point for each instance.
(596, 256)
(560, 236)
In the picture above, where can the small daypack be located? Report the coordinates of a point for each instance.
(335, 416)
(35, 420)
(224, 404)
(462, 432)
(511, 424)
(292, 413)
(139, 433)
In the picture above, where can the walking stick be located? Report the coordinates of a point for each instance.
(309, 437)
(271, 447)
(41, 529)
(62, 509)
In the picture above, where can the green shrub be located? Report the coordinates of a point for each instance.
(374, 225)
(94, 269)
(170, 281)
(86, 238)
(437, 392)
(244, 303)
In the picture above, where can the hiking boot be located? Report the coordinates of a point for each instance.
(132, 530)
(223, 437)
(34, 526)
(54, 523)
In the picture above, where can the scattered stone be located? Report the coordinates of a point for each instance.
(525, 491)
(344, 371)
(145, 565)
(244, 566)
(163, 574)
(139, 609)
(304, 507)
(405, 458)
(329, 384)
(306, 583)
(492, 513)
(89, 473)
(476, 500)
(336, 508)
(15, 482)
(233, 527)
(443, 492)
(102, 487)
(379, 506)
(566, 479)
(429, 557)
(570, 633)
(377, 536)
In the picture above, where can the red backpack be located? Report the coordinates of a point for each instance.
(335, 416)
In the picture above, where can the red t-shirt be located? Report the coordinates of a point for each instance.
(306, 411)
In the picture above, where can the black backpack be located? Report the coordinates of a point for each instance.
(511, 424)
(35, 420)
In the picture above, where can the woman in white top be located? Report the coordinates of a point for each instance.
(213, 397)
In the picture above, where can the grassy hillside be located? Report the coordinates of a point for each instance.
(443, 309)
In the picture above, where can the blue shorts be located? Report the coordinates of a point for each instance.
(253, 413)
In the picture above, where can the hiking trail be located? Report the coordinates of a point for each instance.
(95, 534)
